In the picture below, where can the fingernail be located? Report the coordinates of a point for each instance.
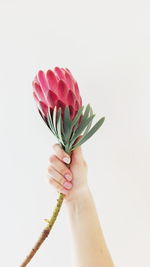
(66, 160)
(68, 177)
(67, 185)
(64, 191)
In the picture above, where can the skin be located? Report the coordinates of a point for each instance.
(89, 243)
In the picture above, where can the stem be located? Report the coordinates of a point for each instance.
(46, 230)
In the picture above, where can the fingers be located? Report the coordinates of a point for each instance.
(59, 178)
(60, 167)
(59, 175)
(58, 187)
(61, 154)
(77, 154)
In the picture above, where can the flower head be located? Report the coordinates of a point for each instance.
(56, 88)
(59, 103)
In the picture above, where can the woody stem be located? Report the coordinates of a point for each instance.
(46, 230)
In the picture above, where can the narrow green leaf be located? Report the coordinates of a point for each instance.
(89, 125)
(83, 125)
(73, 133)
(45, 121)
(62, 130)
(74, 122)
(86, 113)
(81, 128)
(50, 122)
(76, 118)
(51, 129)
(67, 123)
(90, 133)
(54, 120)
(59, 122)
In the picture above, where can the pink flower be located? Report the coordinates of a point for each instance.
(56, 88)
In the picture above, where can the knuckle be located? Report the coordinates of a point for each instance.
(50, 179)
(62, 181)
(59, 151)
(58, 187)
(52, 158)
(49, 169)
(56, 146)
(62, 170)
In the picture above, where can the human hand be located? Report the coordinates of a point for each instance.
(75, 184)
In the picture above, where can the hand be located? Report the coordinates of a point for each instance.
(71, 182)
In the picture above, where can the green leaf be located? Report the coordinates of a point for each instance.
(76, 118)
(81, 128)
(67, 123)
(50, 122)
(89, 125)
(86, 113)
(59, 122)
(74, 122)
(73, 133)
(90, 133)
(54, 120)
(62, 130)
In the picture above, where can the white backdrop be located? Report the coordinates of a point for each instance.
(106, 45)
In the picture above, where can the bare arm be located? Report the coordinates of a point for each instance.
(89, 243)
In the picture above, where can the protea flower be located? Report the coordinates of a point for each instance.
(56, 88)
(60, 105)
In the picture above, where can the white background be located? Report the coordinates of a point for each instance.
(106, 45)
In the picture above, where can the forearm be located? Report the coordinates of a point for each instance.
(89, 243)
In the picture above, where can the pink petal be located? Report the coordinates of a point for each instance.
(80, 101)
(43, 117)
(43, 108)
(77, 106)
(51, 80)
(67, 70)
(76, 90)
(51, 98)
(38, 91)
(42, 81)
(61, 105)
(63, 70)
(75, 112)
(35, 79)
(62, 90)
(69, 81)
(70, 98)
(72, 112)
(36, 98)
(59, 73)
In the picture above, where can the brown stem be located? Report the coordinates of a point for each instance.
(46, 230)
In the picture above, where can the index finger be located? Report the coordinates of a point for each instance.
(61, 154)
